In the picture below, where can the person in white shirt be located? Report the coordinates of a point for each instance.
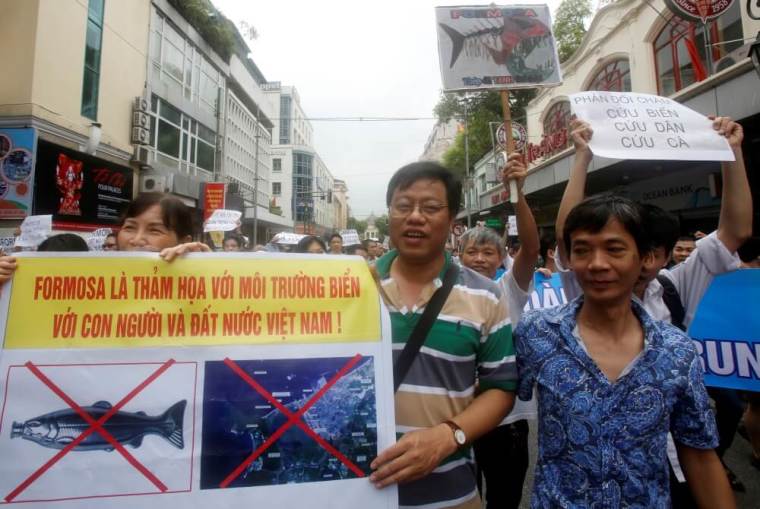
(687, 282)
(502, 454)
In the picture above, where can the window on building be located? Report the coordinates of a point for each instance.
(557, 119)
(482, 185)
(285, 112)
(179, 64)
(680, 54)
(276, 188)
(277, 165)
(303, 186)
(181, 138)
(613, 77)
(92, 50)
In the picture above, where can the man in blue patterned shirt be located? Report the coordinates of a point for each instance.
(612, 382)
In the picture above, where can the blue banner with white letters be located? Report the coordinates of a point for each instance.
(726, 331)
(547, 292)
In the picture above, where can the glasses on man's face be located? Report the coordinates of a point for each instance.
(403, 209)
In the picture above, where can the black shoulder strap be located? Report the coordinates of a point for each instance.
(420, 332)
(673, 301)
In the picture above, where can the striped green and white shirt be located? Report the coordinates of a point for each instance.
(469, 344)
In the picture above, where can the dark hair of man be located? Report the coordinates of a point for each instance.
(351, 250)
(336, 235)
(63, 242)
(662, 227)
(175, 215)
(548, 241)
(238, 240)
(304, 243)
(411, 173)
(593, 214)
(750, 250)
(688, 238)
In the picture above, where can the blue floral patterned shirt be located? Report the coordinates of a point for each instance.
(603, 444)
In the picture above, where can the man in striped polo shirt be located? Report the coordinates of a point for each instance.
(460, 385)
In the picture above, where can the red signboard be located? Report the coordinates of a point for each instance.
(213, 198)
(550, 144)
(698, 10)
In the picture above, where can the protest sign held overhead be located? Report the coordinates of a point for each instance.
(630, 125)
(350, 237)
(34, 229)
(222, 220)
(727, 335)
(189, 383)
(496, 47)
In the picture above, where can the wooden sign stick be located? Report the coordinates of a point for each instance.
(510, 142)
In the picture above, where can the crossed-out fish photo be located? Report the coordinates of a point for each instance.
(58, 429)
(496, 42)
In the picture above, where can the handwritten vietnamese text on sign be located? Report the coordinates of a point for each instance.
(643, 126)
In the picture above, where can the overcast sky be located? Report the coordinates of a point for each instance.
(354, 58)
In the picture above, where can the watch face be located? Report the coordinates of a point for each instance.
(459, 437)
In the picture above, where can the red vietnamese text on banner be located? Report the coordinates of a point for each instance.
(213, 198)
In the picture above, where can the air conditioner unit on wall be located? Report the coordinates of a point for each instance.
(140, 104)
(154, 183)
(140, 119)
(140, 136)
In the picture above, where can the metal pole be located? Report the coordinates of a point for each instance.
(256, 191)
(708, 49)
(467, 180)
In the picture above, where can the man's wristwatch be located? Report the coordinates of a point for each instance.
(459, 437)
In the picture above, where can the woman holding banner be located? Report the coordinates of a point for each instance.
(153, 222)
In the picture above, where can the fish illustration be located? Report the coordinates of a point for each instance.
(58, 429)
(499, 40)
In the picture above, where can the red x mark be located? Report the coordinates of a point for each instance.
(293, 419)
(95, 426)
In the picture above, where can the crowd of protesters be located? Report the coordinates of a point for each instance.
(610, 381)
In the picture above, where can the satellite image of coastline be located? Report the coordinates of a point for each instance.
(237, 420)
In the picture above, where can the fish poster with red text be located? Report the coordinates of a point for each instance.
(215, 380)
(499, 47)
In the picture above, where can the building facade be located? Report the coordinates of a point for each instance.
(340, 200)
(640, 47)
(66, 108)
(302, 185)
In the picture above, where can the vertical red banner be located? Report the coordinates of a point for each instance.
(213, 198)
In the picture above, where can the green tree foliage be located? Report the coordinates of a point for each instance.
(356, 224)
(218, 31)
(382, 225)
(569, 26)
(482, 109)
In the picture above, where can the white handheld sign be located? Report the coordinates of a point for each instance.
(222, 220)
(643, 126)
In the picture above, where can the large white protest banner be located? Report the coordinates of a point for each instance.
(629, 125)
(252, 380)
(498, 47)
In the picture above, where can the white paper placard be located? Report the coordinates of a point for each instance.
(350, 237)
(287, 238)
(642, 126)
(222, 220)
(34, 230)
(512, 226)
